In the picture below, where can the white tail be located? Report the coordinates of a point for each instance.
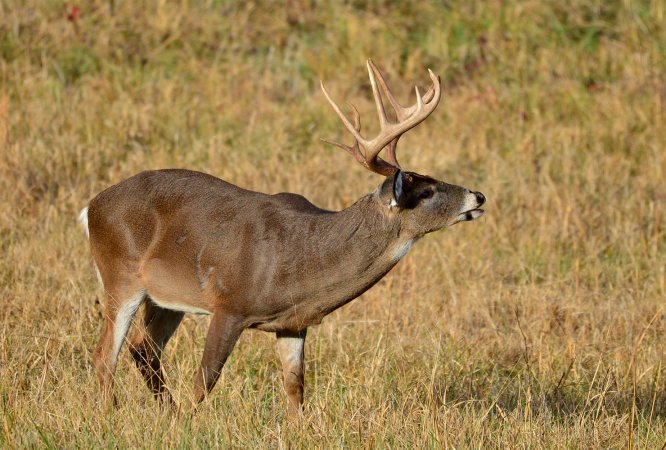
(83, 218)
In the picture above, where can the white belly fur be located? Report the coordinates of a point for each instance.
(178, 306)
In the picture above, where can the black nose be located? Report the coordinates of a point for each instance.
(480, 198)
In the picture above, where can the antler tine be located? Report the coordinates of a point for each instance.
(354, 149)
(430, 93)
(436, 88)
(381, 112)
(390, 152)
(356, 116)
(342, 117)
(397, 107)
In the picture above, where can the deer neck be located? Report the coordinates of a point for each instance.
(351, 250)
(368, 232)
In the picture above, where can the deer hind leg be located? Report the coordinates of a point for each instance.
(118, 316)
(146, 347)
(291, 347)
(223, 333)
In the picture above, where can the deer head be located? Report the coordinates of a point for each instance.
(425, 204)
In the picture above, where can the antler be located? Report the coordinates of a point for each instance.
(390, 132)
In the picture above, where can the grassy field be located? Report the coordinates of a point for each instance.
(541, 325)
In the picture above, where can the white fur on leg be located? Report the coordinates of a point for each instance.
(291, 350)
(123, 320)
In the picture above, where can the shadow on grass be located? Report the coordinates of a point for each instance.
(607, 395)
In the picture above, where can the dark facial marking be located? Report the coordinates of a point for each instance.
(425, 194)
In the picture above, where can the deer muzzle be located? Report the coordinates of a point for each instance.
(471, 208)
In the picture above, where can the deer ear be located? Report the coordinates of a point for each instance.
(398, 184)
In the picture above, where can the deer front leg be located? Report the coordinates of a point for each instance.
(224, 331)
(291, 347)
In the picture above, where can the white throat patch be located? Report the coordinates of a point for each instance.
(402, 250)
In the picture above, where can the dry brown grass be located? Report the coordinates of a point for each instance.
(541, 325)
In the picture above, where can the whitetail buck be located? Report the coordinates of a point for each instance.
(178, 241)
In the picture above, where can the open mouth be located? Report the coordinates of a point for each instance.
(470, 215)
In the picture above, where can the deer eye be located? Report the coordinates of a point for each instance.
(425, 194)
